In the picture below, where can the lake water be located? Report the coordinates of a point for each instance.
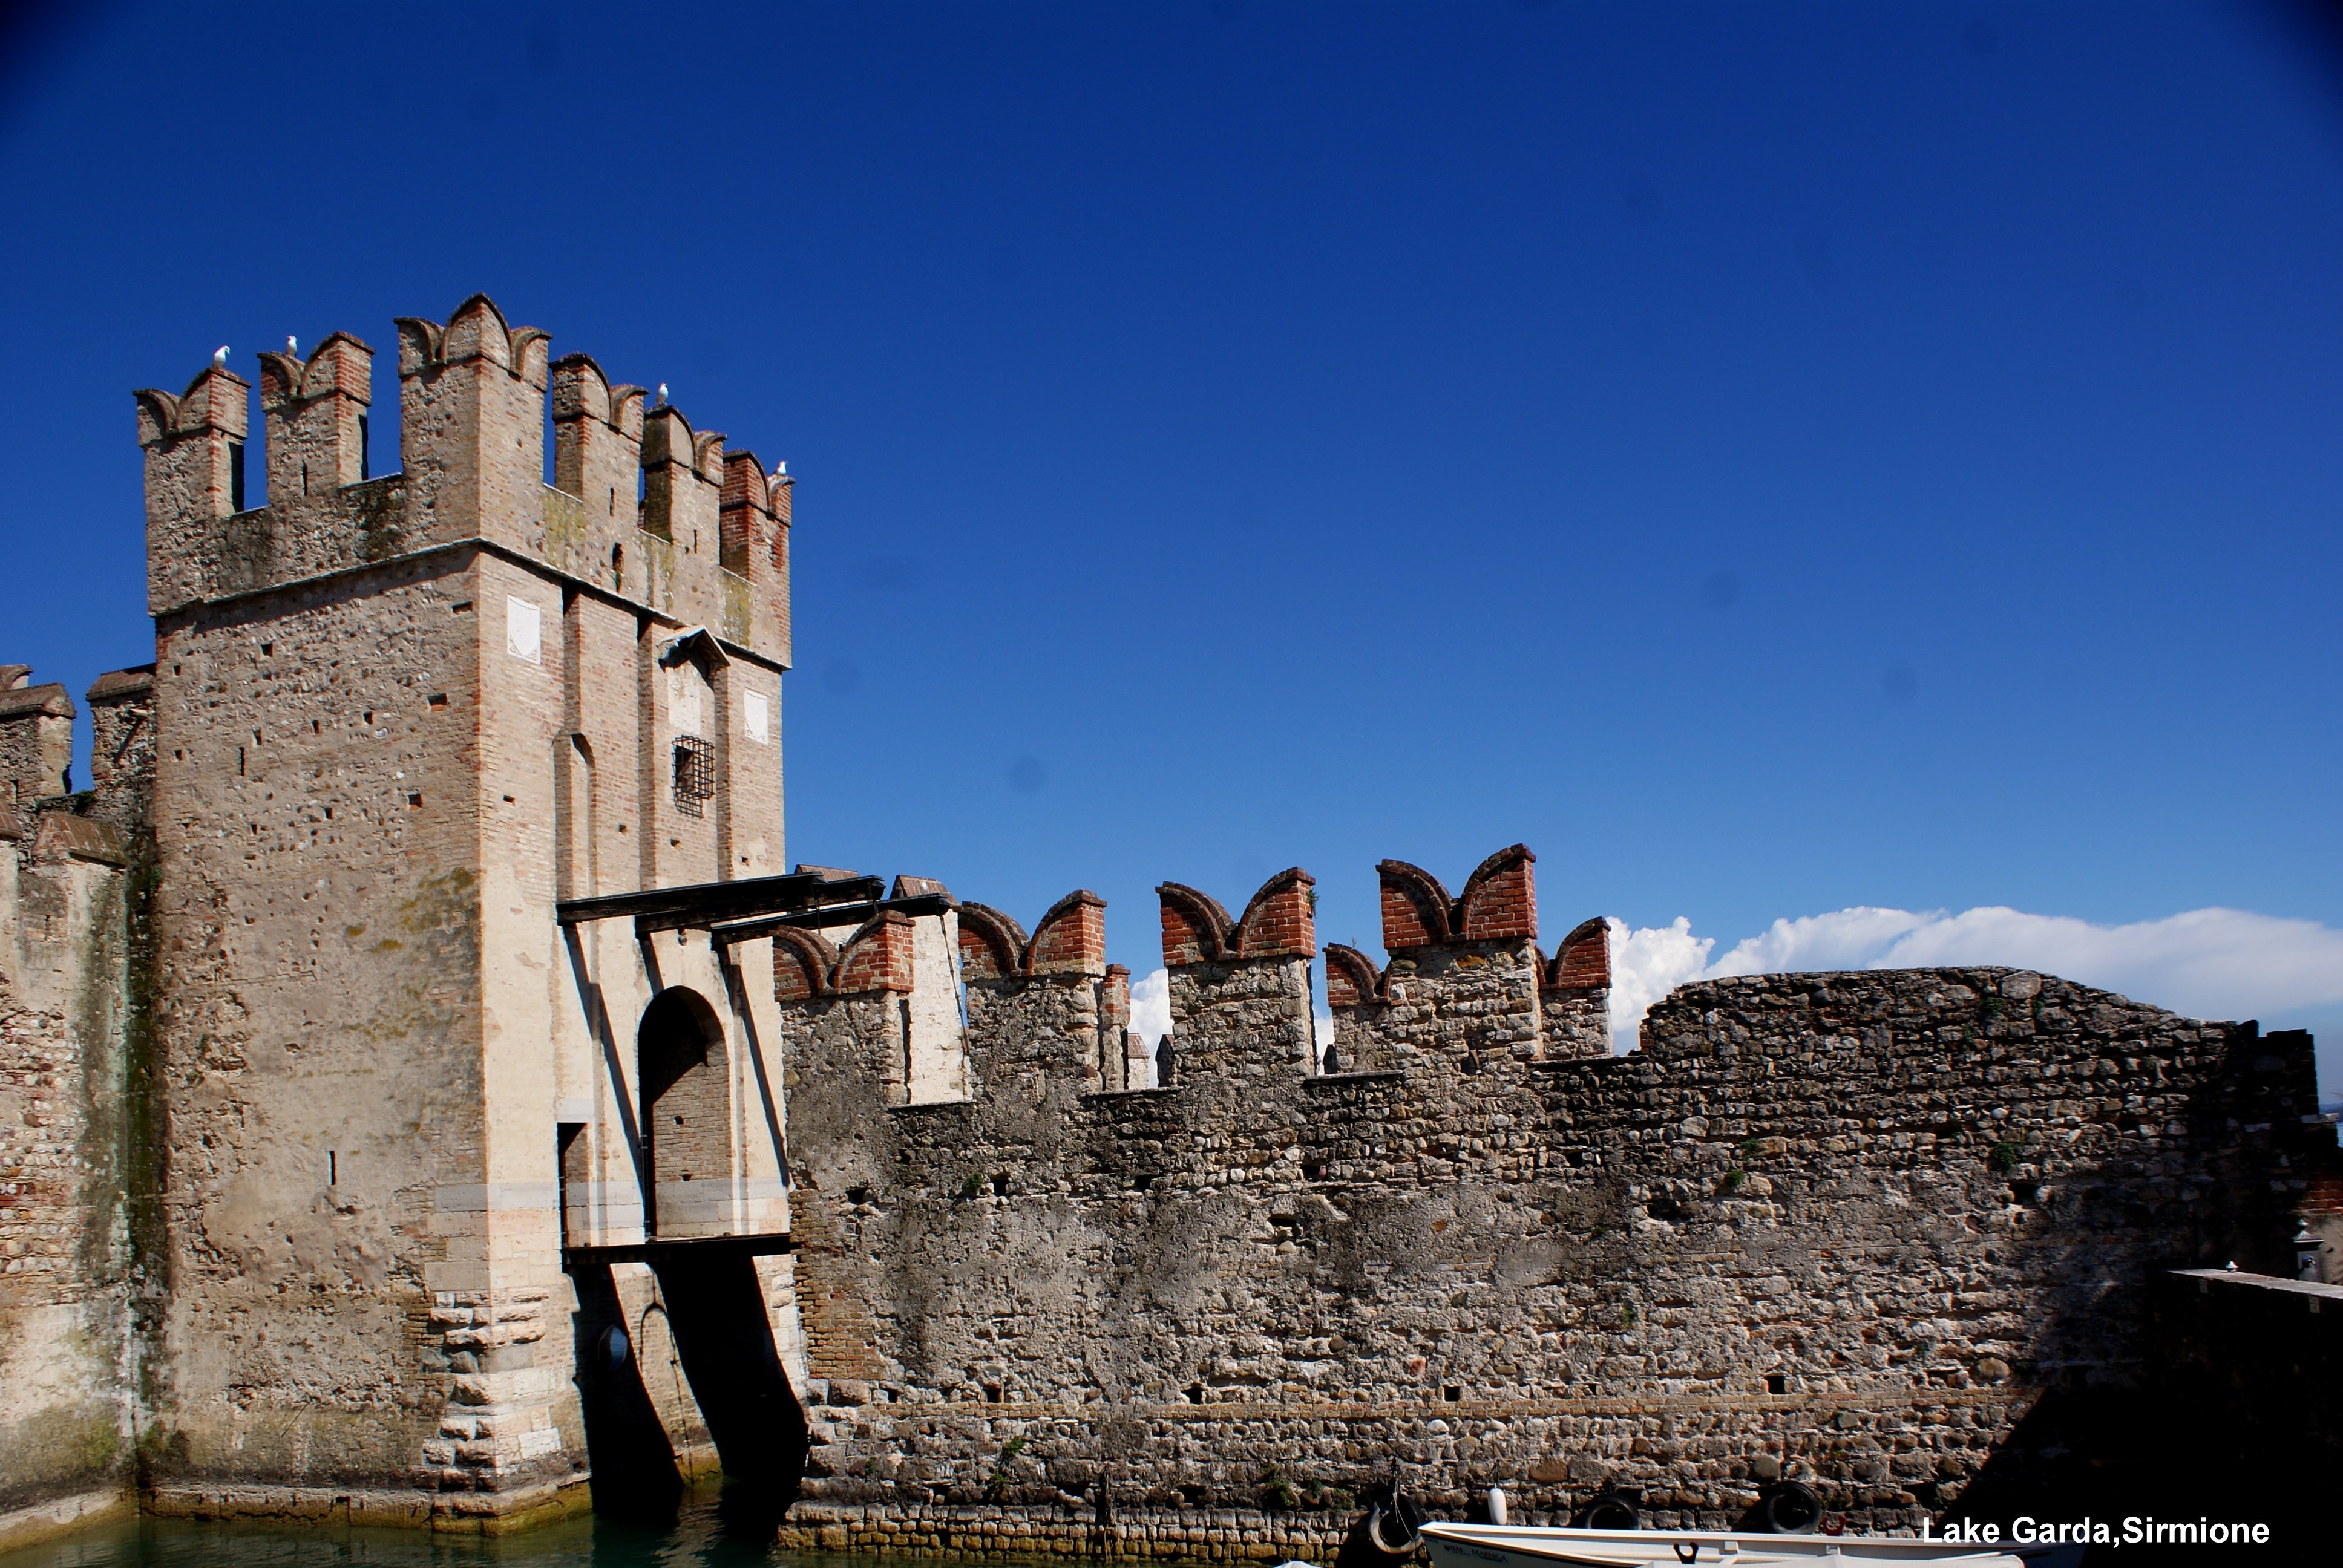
(699, 1536)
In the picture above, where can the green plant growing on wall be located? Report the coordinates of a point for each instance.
(973, 1187)
(1733, 1181)
(998, 1481)
(2006, 1156)
(1276, 1491)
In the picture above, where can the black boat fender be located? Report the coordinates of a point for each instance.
(1609, 1510)
(1790, 1508)
(1385, 1533)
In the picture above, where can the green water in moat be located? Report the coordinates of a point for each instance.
(701, 1536)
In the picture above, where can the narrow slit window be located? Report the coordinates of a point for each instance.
(236, 476)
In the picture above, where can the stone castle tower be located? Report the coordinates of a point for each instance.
(412, 751)
(426, 1092)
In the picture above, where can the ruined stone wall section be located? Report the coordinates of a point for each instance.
(67, 1372)
(122, 746)
(36, 741)
(841, 1075)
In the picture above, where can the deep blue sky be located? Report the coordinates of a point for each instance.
(1769, 458)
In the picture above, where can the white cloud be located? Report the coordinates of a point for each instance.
(2204, 963)
(1151, 1006)
(2211, 963)
(1645, 966)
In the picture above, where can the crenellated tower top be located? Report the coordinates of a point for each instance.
(640, 505)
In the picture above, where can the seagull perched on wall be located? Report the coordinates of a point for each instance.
(662, 395)
(292, 345)
(219, 357)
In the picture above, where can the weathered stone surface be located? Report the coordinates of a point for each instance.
(1848, 1227)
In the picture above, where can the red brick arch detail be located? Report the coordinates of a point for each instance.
(803, 963)
(1196, 929)
(1351, 978)
(1070, 940)
(1583, 962)
(991, 945)
(744, 481)
(878, 956)
(1278, 920)
(1415, 906)
(1499, 898)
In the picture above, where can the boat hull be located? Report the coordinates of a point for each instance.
(1539, 1546)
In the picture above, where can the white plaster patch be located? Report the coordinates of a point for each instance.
(683, 688)
(524, 629)
(756, 715)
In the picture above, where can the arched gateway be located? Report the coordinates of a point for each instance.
(687, 1112)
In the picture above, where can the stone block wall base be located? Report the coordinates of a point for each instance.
(514, 1512)
(1217, 1535)
(61, 1516)
(468, 1513)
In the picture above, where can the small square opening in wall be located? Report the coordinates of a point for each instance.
(438, 699)
(1776, 1383)
(414, 802)
(1453, 1394)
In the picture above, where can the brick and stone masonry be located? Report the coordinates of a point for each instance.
(347, 1106)
(1844, 1228)
(289, 974)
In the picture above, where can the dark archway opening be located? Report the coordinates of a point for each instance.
(634, 1476)
(686, 1116)
(715, 1308)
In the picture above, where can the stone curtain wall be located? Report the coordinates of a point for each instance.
(1847, 1228)
(75, 1122)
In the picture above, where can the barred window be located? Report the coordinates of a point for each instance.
(695, 774)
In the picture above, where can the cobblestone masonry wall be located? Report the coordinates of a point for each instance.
(1843, 1227)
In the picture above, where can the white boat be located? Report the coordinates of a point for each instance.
(1542, 1546)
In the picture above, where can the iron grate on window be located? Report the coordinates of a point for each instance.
(695, 774)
